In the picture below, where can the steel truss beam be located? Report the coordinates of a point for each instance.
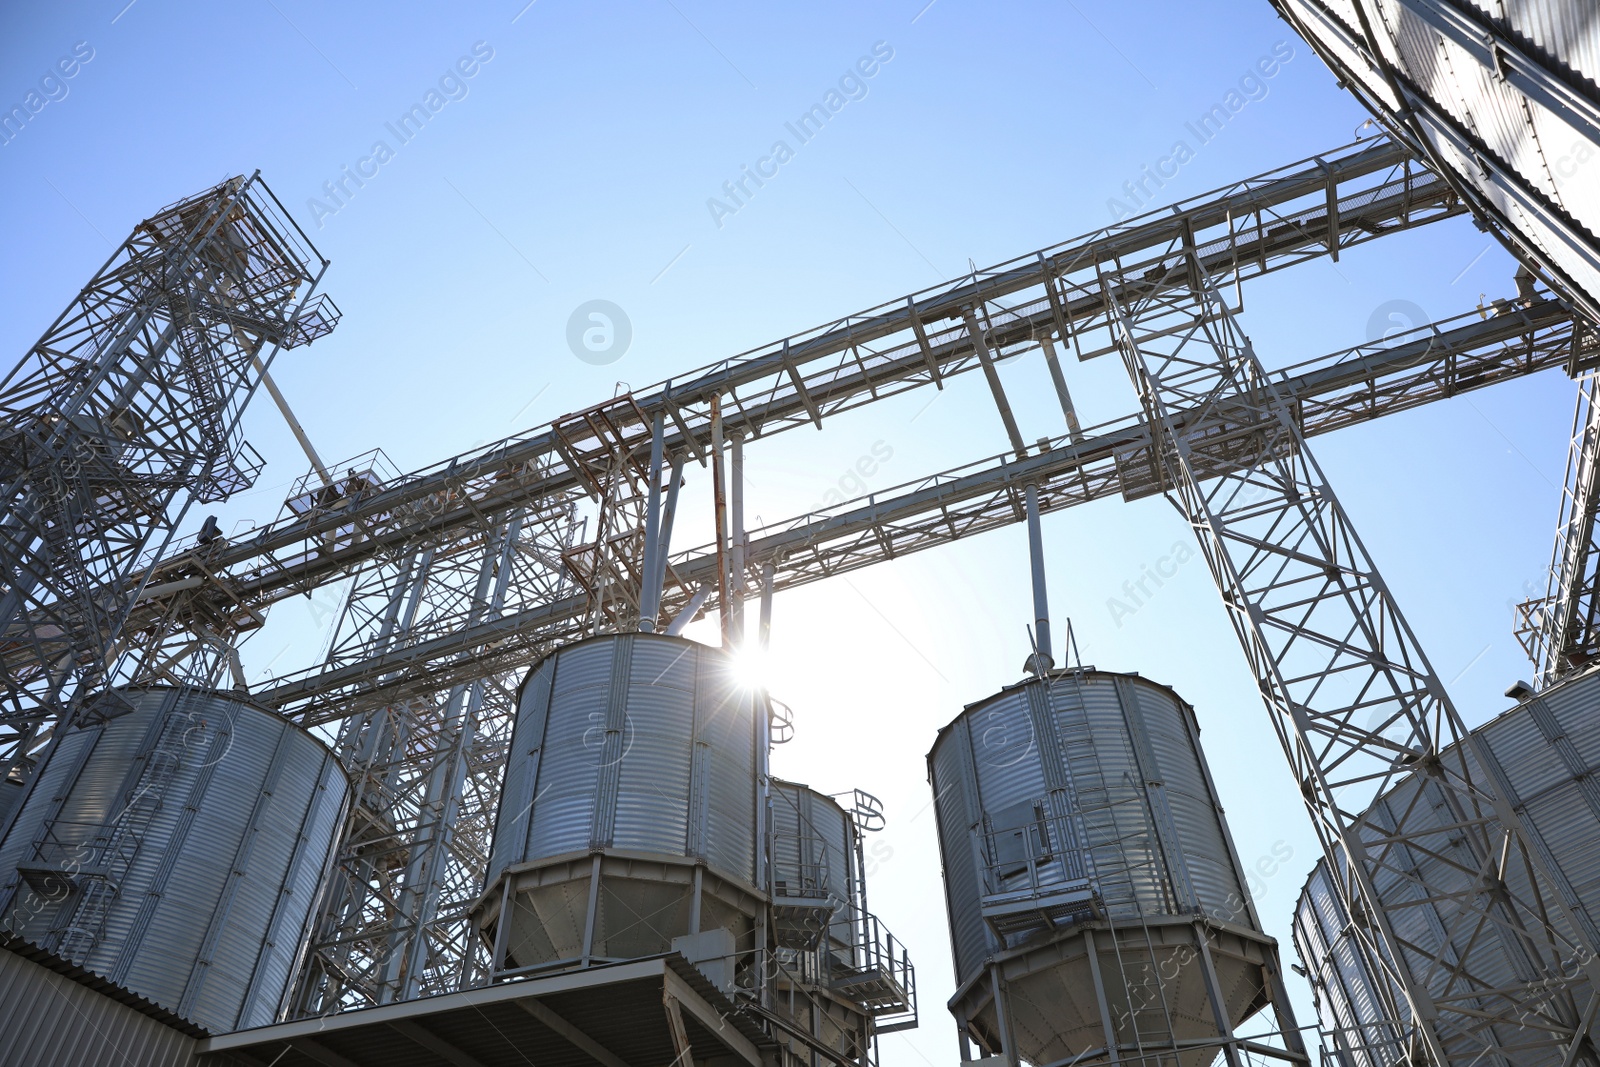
(125, 412)
(426, 768)
(1503, 968)
(1337, 201)
(1561, 631)
(1343, 389)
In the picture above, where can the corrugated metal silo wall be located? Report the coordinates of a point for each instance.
(49, 1020)
(228, 852)
(637, 742)
(1506, 95)
(1346, 991)
(1115, 761)
(1546, 754)
(810, 829)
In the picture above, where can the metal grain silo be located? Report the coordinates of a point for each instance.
(1502, 99)
(1097, 908)
(1347, 991)
(836, 972)
(631, 813)
(1543, 756)
(177, 848)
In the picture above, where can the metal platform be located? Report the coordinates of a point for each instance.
(568, 1020)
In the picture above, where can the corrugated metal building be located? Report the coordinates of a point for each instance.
(1501, 96)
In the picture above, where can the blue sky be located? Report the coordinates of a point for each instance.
(576, 163)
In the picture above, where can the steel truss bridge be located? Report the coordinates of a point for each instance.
(462, 573)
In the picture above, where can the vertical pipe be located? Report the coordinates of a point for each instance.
(648, 604)
(1048, 343)
(1041, 602)
(658, 581)
(720, 504)
(736, 514)
(768, 571)
(686, 616)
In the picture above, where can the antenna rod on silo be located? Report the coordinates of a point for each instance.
(650, 595)
(1041, 660)
(720, 504)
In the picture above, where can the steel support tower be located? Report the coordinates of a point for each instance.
(1357, 706)
(1561, 630)
(126, 412)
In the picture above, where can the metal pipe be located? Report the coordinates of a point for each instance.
(1041, 601)
(720, 504)
(649, 604)
(294, 423)
(1048, 343)
(736, 514)
(658, 581)
(981, 346)
(686, 616)
(769, 571)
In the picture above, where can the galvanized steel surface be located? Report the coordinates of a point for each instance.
(196, 831)
(1544, 755)
(1344, 988)
(49, 1020)
(634, 742)
(1107, 767)
(1506, 94)
(813, 844)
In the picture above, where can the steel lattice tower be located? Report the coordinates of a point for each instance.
(125, 413)
(1357, 707)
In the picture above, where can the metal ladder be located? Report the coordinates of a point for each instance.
(118, 843)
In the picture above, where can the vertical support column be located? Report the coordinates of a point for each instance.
(697, 887)
(720, 504)
(591, 915)
(650, 595)
(658, 579)
(1042, 659)
(497, 957)
(1106, 1023)
(1219, 1010)
(1002, 1014)
(736, 515)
